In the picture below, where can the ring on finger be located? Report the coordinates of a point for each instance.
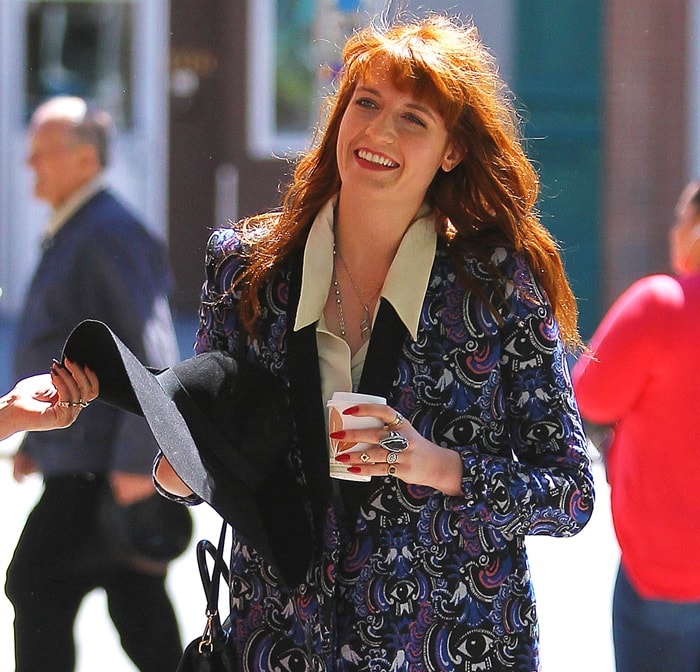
(395, 422)
(73, 404)
(394, 443)
(364, 457)
(391, 470)
(391, 458)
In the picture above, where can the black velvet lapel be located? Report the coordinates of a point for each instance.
(388, 335)
(378, 374)
(306, 404)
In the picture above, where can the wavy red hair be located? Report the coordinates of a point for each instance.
(489, 199)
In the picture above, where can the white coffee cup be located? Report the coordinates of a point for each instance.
(337, 422)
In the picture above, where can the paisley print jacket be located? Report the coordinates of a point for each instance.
(405, 578)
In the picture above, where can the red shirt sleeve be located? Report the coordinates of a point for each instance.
(612, 376)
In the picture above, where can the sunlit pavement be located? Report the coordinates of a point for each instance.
(573, 580)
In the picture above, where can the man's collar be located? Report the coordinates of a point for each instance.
(73, 203)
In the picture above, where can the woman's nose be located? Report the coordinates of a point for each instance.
(382, 128)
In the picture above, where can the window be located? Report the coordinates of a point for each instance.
(83, 49)
(294, 52)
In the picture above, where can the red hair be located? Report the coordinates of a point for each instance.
(488, 199)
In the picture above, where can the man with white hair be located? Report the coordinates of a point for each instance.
(98, 262)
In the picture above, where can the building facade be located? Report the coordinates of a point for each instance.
(213, 98)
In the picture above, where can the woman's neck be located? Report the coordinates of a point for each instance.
(366, 238)
(371, 230)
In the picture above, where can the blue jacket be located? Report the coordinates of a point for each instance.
(405, 577)
(101, 264)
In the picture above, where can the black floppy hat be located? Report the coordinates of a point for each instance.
(225, 427)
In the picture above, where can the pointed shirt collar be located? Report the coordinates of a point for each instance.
(405, 284)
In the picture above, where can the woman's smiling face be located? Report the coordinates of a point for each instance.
(391, 142)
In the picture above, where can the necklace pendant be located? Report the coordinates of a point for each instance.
(365, 329)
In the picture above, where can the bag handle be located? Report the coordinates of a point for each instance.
(211, 581)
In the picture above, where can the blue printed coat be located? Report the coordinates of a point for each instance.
(405, 578)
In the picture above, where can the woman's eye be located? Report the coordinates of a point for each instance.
(365, 102)
(415, 120)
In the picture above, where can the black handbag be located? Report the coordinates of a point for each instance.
(209, 653)
(146, 534)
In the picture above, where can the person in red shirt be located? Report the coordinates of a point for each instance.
(641, 377)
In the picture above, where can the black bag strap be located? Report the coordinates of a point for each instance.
(211, 582)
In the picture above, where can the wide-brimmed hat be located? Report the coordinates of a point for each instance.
(225, 427)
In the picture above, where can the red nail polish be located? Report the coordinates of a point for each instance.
(340, 434)
(343, 457)
(354, 470)
(351, 410)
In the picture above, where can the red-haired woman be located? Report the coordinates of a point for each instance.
(407, 261)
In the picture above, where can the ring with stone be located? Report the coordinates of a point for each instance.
(395, 422)
(391, 470)
(364, 457)
(392, 457)
(394, 443)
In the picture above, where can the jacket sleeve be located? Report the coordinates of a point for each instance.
(218, 317)
(531, 475)
(128, 291)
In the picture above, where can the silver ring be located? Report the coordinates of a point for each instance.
(394, 443)
(364, 457)
(391, 470)
(73, 404)
(395, 422)
(392, 457)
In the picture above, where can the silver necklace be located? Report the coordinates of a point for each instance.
(338, 302)
(366, 323)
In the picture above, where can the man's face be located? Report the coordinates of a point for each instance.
(58, 162)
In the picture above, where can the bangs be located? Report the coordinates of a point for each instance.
(410, 72)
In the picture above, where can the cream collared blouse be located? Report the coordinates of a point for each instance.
(404, 288)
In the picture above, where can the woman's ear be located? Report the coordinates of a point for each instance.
(453, 156)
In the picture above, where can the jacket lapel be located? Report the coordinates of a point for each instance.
(388, 336)
(378, 375)
(305, 400)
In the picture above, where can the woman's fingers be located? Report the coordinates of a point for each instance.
(85, 379)
(66, 385)
(387, 447)
(392, 419)
(76, 387)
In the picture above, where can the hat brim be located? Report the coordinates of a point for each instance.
(269, 512)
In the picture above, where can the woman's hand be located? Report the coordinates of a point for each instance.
(399, 451)
(47, 401)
